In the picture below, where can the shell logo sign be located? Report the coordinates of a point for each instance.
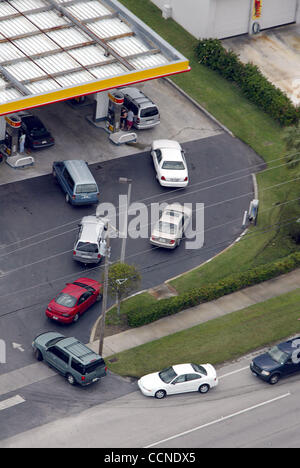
(257, 9)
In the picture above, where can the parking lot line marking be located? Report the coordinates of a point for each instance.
(233, 372)
(16, 400)
(222, 419)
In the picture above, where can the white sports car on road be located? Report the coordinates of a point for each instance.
(171, 226)
(170, 164)
(180, 378)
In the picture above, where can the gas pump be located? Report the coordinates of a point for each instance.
(11, 147)
(115, 103)
(12, 135)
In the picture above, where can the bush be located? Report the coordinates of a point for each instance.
(249, 78)
(137, 316)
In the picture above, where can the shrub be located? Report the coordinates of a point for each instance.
(249, 78)
(137, 316)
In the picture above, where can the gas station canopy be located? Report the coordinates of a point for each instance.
(52, 50)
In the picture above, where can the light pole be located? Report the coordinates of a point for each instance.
(105, 290)
(124, 180)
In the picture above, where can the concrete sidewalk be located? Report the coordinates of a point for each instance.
(200, 314)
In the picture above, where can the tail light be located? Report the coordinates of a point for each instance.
(99, 256)
(186, 179)
(163, 178)
(74, 252)
(82, 378)
(73, 197)
(138, 120)
(172, 242)
(105, 368)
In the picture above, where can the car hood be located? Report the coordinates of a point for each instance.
(152, 381)
(43, 339)
(265, 362)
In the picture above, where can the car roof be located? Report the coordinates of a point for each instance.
(79, 171)
(78, 350)
(92, 228)
(73, 290)
(183, 369)
(287, 346)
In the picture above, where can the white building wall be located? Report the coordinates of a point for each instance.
(194, 16)
(203, 18)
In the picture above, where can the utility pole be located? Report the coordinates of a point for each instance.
(105, 290)
(124, 180)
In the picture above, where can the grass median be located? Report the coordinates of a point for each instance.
(216, 341)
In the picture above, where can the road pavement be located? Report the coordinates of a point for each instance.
(242, 411)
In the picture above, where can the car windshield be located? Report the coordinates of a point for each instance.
(65, 300)
(173, 165)
(87, 247)
(86, 188)
(167, 375)
(277, 355)
(149, 112)
(166, 228)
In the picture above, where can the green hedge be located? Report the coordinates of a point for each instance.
(137, 316)
(250, 80)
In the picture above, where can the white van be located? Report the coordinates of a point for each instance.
(146, 113)
(88, 247)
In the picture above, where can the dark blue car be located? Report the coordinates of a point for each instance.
(280, 361)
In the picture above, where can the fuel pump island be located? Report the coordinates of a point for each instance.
(13, 147)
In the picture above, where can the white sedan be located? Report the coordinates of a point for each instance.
(180, 378)
(171, 226)
(170, 164)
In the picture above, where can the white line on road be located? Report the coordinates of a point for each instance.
(233, 372)
(16, 400)
(223, 418)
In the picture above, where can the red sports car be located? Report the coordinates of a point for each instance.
(74, 300)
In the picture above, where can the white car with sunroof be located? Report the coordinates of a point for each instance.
(170, 164)
(171, 226)
(180, 378)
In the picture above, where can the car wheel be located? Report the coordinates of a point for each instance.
(160, 394)
(67, 198)
(71, 380)
(38, 355)
(274, 379)
(76, 318)
(204, 388)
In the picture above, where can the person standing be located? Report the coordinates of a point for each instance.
(130, 120)
(22, 143)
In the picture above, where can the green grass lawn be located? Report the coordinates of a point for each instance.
(218, 340)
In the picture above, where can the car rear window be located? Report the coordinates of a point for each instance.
(86, 188)
(199, 369)
(87, 247)
(149, 112)
(87, 369)
(65, 300)
(173, 165)
(85, 286)
(167, 228)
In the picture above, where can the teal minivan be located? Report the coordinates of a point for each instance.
(74, 360)
(77, 181)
